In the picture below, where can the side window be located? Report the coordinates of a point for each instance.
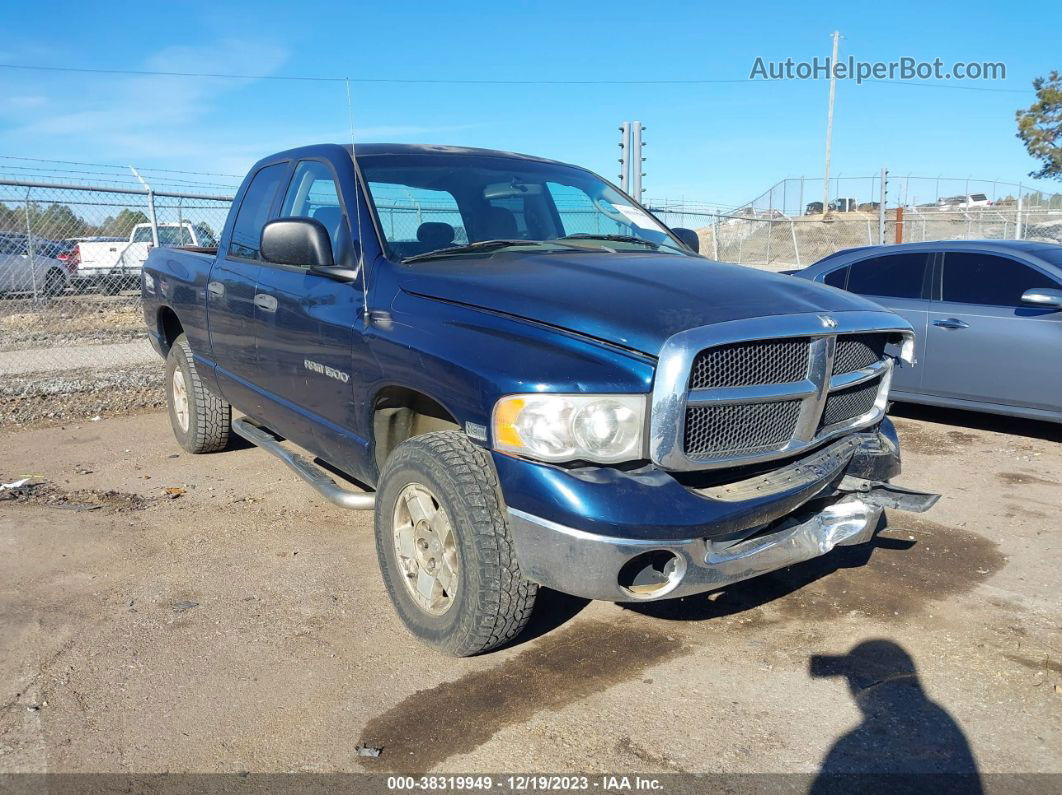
(892, 276)
(142, 234)
(837, 278)
(313, 194)
(985, 279)
(254, 211)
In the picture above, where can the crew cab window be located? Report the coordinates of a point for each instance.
(313, 194)
(254, 211)
(971, 278)
(892, 276)
(171, 236)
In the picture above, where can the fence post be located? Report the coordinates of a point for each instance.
(796, 248)
(715, 239)
(1017, 221)
(899, 224)
(881, 205)
(151, 208)
(770, 229)
(29, 249)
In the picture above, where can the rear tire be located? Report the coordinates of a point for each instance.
(201, 421)
(488, 601)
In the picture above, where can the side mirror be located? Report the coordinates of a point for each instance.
(1043, 296)
(297, 241)
(689, 237)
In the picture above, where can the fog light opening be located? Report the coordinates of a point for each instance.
(651, 575)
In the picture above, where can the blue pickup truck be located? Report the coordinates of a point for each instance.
(529, 379)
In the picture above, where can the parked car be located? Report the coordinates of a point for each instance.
(114, 264)
(950, 203)
(987, 315)
(32, 266)
(813, 208)
(843, 205)
(572, 398)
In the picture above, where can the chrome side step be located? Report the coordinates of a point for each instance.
(307, 470)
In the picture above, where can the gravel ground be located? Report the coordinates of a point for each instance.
(165, 612)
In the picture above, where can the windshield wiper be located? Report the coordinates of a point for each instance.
(487, 245)
(615, 238)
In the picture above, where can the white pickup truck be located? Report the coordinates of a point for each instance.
(114, 265)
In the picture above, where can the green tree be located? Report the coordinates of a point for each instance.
(122, 224)
(1040, 127)
(56, 221)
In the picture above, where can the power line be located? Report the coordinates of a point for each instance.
(325, 79)
(121, 167)
(461, 81)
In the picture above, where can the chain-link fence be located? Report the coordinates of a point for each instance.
(72, 334)
(781, 242)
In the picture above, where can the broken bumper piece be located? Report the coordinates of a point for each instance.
(625, 570)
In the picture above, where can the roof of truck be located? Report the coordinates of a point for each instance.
(365, 150)
(421, 149)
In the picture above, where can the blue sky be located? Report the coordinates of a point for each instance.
(719, 143)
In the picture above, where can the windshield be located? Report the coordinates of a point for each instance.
(428, 203)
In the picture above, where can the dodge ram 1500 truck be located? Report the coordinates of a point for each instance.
(530, 380)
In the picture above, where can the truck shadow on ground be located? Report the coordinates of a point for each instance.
(905, 742)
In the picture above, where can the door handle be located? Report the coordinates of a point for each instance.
(216, 289)
(265, 302)
(951, 322)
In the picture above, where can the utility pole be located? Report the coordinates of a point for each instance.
(624, 159)
(829, 126)
(636, 160)
(882, 201)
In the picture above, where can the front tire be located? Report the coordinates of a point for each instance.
(444, 546)
(201, 421)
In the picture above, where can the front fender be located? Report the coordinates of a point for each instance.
(466, 359)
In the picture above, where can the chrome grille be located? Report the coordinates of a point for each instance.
(752, 390)
(751, 363)
(847, 404)
(856, 351)
(743, 428)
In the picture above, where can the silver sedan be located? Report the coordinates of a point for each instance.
(987, 314)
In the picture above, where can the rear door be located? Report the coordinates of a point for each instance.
(231, 293)
(984, 343)
(899, 282)
(307, 325)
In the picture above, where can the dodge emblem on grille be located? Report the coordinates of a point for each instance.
(828, 321)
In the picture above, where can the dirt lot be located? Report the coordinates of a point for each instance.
(163, 612)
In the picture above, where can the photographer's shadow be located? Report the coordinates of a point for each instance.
(905, 742)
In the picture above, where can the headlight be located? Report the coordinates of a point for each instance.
(602, 428)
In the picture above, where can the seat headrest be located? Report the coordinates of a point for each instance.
(331, 217)
(435, 233)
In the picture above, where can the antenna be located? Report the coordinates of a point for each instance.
(357, 204)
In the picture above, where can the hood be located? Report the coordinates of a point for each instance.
(634, 300)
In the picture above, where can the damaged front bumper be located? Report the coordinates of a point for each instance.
(735, 531)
